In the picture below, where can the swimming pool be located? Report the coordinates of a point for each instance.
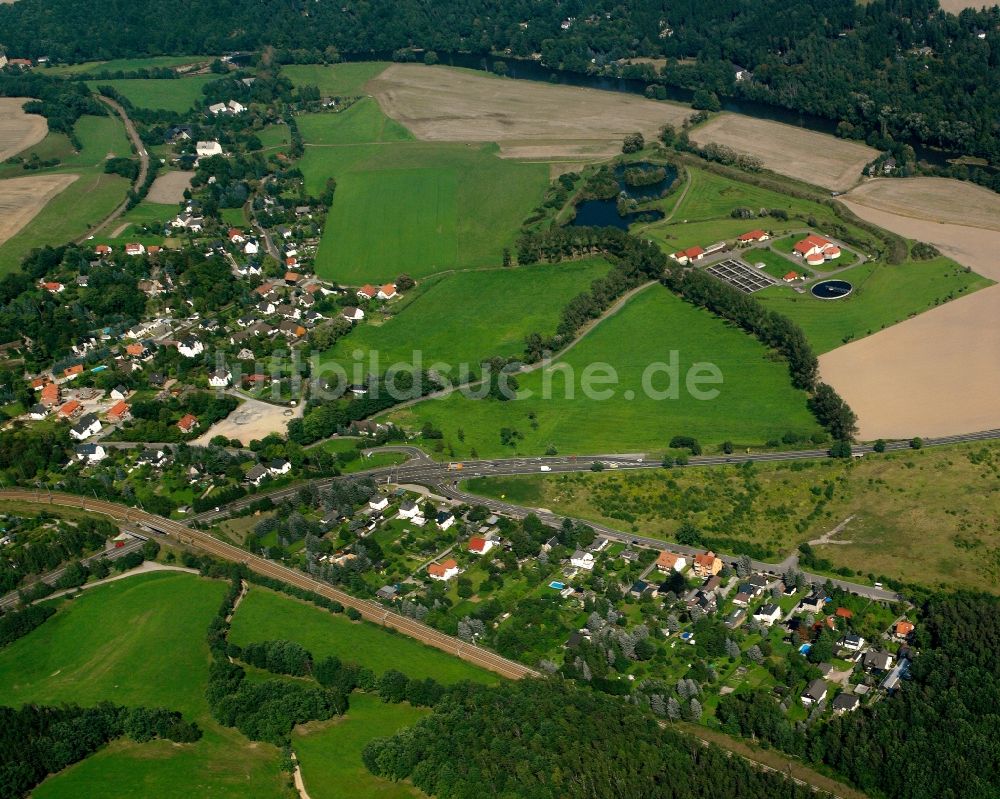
(685, 636)
(557, 585)
(805, 648)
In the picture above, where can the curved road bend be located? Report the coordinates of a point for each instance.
(371, 611)
(140, 150)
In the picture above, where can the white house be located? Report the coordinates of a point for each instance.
(38, 412)
(386, 292)
(279, 466)
(379, 503)
(352, 314)
(87, 426)
(852, 642)
(135, 249)
(409, 510)
(257, 474)
(91, 453)
(444, 519)
(479, 545)
(119, 393)
(235, 107)
(251, 248)
(815, 693)
(220, 378)
(206, 149)
(768, 614)
(582, 560)
(444, 570)
(190, 347)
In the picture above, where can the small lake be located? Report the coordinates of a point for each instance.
(604, 213)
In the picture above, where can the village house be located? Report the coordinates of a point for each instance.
(845, 703)
(815, 693)
(444, 570)
(206, 149)
(367, 292)
(187, 423)
(135, 248)
(72, 372)
(668, 561)
(50, 395)
(444, 519)
(220, 378)
(37, 412)
(257, 475)
(707, 564)
(352, 314)
(53, 287)
(91, 453)
(903, 629)
(102, 249)
(70, 409)
(479, 545)
(279, 466)
(768, 614)
(582, 560)
(689, 255)
(378, 503)
(87, 426)
(190, 347)
(387, 292)
(119, 412)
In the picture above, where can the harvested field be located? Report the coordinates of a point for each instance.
(816, 158)
(169, 187)
(955, 6)
(938, 373)
(527, 119)
(18, 130)
(940, 200)
(22, 198)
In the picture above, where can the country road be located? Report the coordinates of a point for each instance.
(140, 151)
(371, 611)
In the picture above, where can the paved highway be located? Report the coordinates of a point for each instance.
(372, 611)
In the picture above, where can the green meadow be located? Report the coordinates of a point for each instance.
(330, 753)
(125, 64)
(140, 640)
(409, 206)
(265, 615)
(467, 316)
(883, 295)
(177, 94)
(755, 401)
(86, 201)
(362, 122)
(334, 80)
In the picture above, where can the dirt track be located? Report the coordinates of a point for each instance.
(22, 198)
(938, 373)
(527, 118)
(18, 130)
(816, 158)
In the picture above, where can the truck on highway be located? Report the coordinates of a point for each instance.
(456, 466)
(545, 468)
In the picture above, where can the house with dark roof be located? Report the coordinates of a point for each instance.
(814, 693)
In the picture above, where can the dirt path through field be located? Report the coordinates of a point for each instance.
(18, 130)
(22, 198)
(528, 119)
(169, 187)
(938, 373)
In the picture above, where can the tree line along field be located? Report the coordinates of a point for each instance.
(755, 403)
(141, 641)
(407, 206)
(265, 615)
(135, 641)
(178, 94)
(468, 316)
(922, 516)
(126, 64)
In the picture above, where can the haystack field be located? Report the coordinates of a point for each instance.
(22, 198)
(938, 373)
(528, 119)
(169, 187)
(816, 158)
(932, 199)
(18, 130)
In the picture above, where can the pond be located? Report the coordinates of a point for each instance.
(604, 213)
(832, 289)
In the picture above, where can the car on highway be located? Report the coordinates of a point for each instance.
(545, 468)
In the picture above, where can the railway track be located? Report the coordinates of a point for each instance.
(370, 611)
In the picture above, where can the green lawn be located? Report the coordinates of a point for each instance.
(330, 753)
(266, 615)
(177, 94)
(362, 122)
(755, 400)
(124, 64)
(334, 80)
(274, 136)
(883, 295)
(408, 206)
(135, 641)
(465, 317)
(775, 265)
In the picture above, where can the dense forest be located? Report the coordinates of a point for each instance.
(540, 739)
(859, 64)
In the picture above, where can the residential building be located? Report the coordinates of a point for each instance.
(378, 503)
(752, 236)
(257, 475)
(220, 378)
(852, 642)
(582, 560)
(119, 412)
(444, 519)
(479, 545)
(903, 629)
(815, 693)
(70, 409)
(188, 423)
(768, 614)
(279, 466)
(408, 510)
(845, 703)
(707, 564)
(444, 570)
(190, 347)
(88, 426)
(91, 453)
(352, 314)
(877, 661)
(387, 292)
(668, 561)
(206, 149)
(367, 292)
